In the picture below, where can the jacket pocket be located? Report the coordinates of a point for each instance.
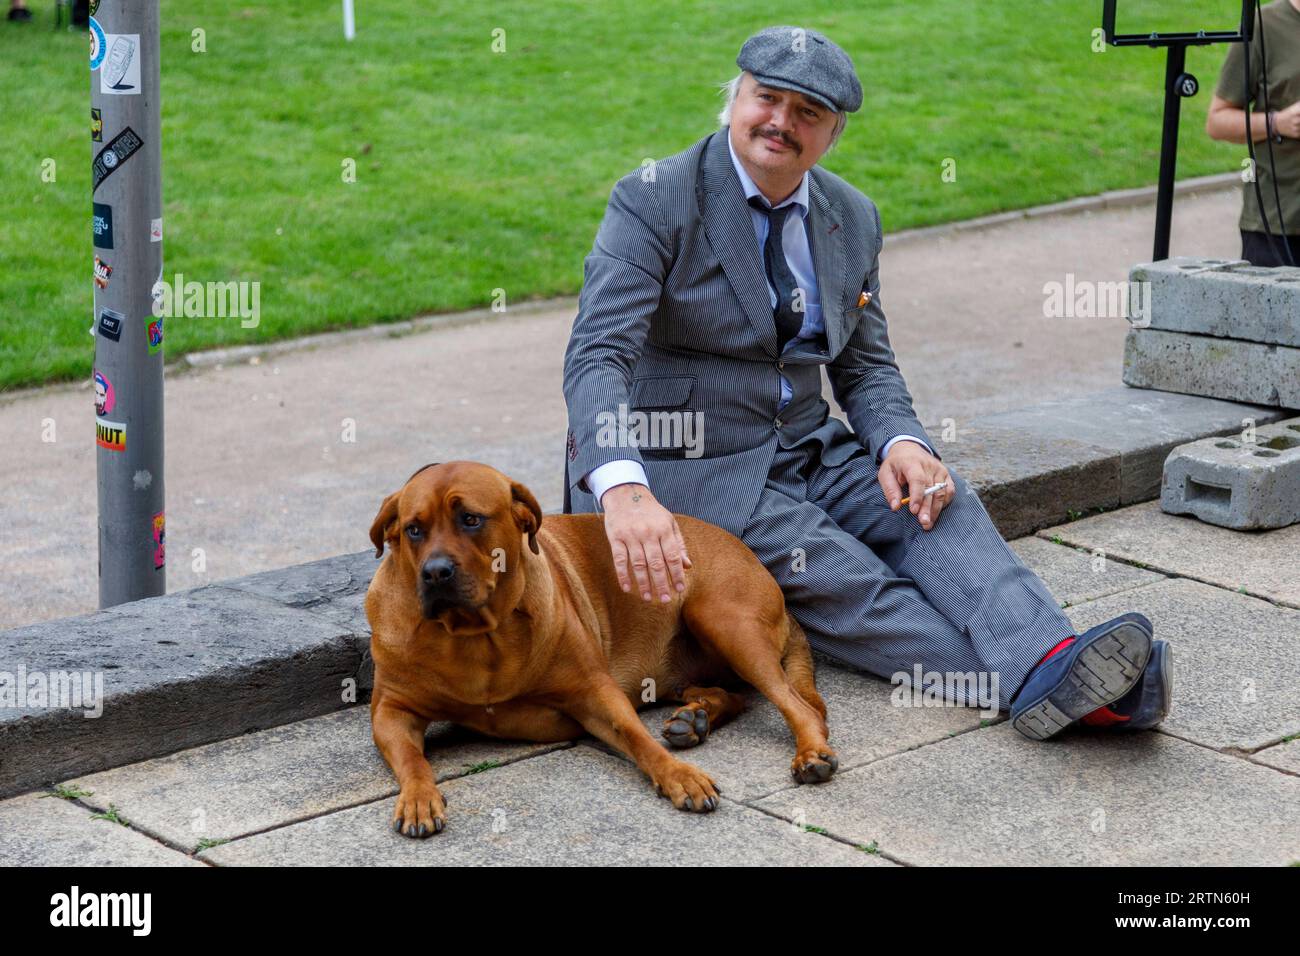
(665, 391)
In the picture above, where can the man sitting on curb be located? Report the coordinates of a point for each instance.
(722, 278)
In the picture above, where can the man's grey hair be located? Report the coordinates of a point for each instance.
(732, 87)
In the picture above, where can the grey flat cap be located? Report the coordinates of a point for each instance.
(792, 58)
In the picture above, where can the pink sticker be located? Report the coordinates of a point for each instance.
(105, 397)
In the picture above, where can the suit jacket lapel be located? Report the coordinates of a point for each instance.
(826, 238)
(731, 235)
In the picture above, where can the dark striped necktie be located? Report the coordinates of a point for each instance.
(788, 321)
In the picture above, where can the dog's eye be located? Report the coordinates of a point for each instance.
(470, 520)
(413, 532)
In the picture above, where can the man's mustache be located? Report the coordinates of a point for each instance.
(773, 134)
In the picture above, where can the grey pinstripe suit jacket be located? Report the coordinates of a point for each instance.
(675, 316)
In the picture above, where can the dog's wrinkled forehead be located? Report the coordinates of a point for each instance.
(442, 486)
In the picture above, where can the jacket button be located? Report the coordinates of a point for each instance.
(778, 423)
(780, 365)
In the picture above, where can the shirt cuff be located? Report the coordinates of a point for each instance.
(621, 471)
(889, 444)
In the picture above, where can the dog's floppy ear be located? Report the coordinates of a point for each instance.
(527, 513)
(385, 524)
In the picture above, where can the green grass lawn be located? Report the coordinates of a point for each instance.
(479, 170)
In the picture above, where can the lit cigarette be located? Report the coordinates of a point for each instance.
(928, 491)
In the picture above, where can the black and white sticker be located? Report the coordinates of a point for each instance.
(122, 148)
(120, 74)
(110, 324)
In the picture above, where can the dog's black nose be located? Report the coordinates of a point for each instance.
(439, 569)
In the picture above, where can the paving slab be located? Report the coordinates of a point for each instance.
(274, 777)
(1265, 564)
(1075, 576)
(1236, 660)
(177, 671)
(41, 830)
(1284, 756)
(993, 797)
(571, 807)
(750, 756)
(1139, 425)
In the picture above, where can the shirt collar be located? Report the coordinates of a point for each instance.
(800, 196)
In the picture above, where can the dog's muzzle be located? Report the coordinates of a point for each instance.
(443, 585)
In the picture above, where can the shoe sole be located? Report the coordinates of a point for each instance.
(1103, 672)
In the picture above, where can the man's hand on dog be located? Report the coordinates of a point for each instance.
(907, 471)
(645, 541)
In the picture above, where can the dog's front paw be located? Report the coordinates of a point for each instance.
(688, 726)
(814, 766)
(689, 788)
(421, 811)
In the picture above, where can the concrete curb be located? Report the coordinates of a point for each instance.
(171, 673)
(250, 653)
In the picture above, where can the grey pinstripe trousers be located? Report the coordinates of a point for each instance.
(874, 590)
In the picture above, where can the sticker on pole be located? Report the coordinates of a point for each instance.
(155, 230)
(96, 44)
(159, 540)
(96, 126)
(110, 324)
(110, 435)
(103, 272)
(154, 330)
(102, 225)
(122, 148)
(120, 74)
(105, 397)
(158, 293)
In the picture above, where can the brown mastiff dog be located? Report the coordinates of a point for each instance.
(539, 642)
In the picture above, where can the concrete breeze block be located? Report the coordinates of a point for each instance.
(1218, 368)
(1232, 300)
(1230, 483)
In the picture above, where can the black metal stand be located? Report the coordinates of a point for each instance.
(1177, 85)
